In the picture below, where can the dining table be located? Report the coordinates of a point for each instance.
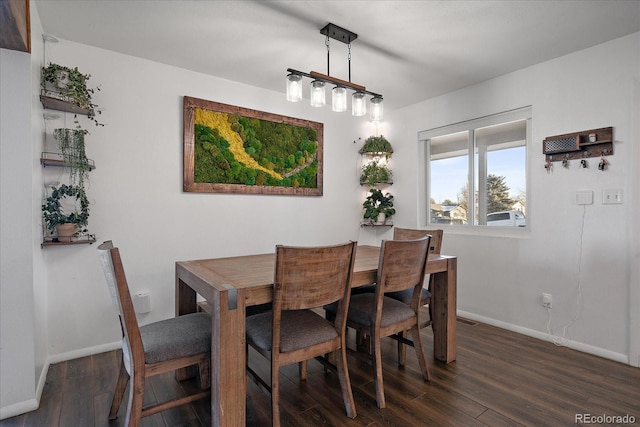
(229, 285)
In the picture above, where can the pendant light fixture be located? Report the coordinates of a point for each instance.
(317, 95)
(358, 104)
(339, 92)
(377, 108)
(294, 87)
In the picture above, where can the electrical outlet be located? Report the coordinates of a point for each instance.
(547, 300)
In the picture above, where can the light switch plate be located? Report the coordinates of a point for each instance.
(612, 197)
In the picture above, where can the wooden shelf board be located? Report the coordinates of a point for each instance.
(62, 105)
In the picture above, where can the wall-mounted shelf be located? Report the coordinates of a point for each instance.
(55, 159)
(79, 240)
(372, 224)
(62, 105)
(364, 184)
(579, 145)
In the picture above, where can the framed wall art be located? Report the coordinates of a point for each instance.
(230, 149)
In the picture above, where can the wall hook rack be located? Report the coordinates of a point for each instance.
(578, 145)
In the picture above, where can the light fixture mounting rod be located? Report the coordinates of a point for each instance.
(338, 33)
(330, 79)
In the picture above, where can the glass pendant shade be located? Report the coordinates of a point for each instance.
(339, 99)
(317, 95)
(358, 104)
(377, 109)
(294, 87)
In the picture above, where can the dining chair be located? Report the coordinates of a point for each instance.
(305, 278)
(425, 296)
(155, 348)
(405, 296)
(401, 266)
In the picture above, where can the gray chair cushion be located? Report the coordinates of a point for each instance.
(405, 296)
(177, 337)
(298, 329)
(361, 310)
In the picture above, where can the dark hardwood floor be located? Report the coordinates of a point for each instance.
(500, 378)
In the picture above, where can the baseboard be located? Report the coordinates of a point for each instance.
(88, 351)
(33, 404)
(18, 408)
(585, 348)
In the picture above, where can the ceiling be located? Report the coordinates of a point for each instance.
(408, 51)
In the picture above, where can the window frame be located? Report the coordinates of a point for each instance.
(469, 126)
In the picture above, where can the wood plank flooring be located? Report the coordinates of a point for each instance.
(500, 378)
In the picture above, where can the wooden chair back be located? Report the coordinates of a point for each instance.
(411, 234)
(308, 277)
(121, 299)
(402, 265)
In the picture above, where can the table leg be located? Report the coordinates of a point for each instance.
(185, 303)
(228, 359)
(444, 314)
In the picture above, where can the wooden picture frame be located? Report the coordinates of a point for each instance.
(230, 149)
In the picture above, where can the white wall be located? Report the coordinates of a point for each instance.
(501, 278)
(137, 198)
(17, 353)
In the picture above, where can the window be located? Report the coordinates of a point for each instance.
(489, 155)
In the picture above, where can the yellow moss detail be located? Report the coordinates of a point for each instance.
(217, 120)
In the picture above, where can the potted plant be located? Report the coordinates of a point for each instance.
(70, 85)
(65, 225)
(377, 146)
(72, 149)
(378, 207)
(374, 173)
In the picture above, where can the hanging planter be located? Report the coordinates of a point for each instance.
(377, 146)
(374, 173)
(378, 207)
(69, 85)
(54, 214)
(72, 149)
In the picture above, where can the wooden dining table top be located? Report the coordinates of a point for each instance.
(254, 273)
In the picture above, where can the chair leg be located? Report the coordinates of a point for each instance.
(118, 394)
(302, 368)
(136, 398)
(275, 395)
(345, 382)
(204, 370)
(377, 370)
(422, 360)
(402, 350)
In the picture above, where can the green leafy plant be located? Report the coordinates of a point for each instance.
(378, 203)
(374, 173)
(71, 85)
(72, 148)
(377, 145)
(52, 211)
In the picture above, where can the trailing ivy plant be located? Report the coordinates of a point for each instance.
(72, 148)
(378, 203)
(374, 173)
(72, 85)
(52, 211)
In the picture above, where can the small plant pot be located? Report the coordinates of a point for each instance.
(66, 231)
(381, 219)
